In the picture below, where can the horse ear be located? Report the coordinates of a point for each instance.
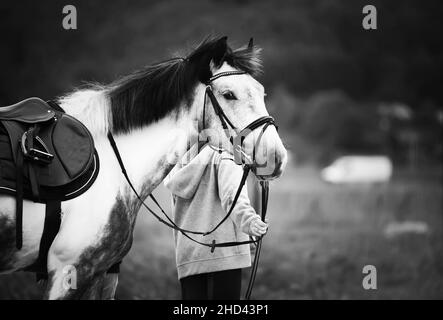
(251, 43)
(210, 55)
(220, 50)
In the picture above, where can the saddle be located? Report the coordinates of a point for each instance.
(46, 156)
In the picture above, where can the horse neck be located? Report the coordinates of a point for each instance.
(149, 153)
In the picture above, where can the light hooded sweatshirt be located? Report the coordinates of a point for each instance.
(203, 190)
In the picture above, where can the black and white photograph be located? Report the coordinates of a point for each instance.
(221, 150)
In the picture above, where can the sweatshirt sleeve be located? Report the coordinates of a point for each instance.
(229, 177)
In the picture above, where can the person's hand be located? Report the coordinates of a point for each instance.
(258, 227)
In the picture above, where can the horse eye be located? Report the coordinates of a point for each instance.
(229, 96)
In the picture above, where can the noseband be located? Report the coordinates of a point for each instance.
(237, 142)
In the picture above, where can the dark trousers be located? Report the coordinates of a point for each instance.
(221, 285)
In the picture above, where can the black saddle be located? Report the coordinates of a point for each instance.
(32, 110)
(46, 156)
(59, 159)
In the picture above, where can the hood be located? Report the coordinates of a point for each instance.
(185, 177)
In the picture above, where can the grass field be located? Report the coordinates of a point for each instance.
(321, 236)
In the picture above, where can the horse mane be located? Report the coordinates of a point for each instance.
(154, 91)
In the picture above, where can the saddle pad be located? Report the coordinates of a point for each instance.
(71, 172)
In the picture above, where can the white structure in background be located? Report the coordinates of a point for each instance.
(395, 228)
(358, 169)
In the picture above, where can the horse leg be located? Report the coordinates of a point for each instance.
(70, 276)
(85, 248)
(102, 287)
(95, 289)
(76, 274)
(109, 286)
(11, 258)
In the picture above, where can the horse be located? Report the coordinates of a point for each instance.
(154, 114)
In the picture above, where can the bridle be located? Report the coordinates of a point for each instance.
(237, 142)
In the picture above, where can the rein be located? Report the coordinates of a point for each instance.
(237, 143)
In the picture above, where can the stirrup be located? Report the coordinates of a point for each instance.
(42, 157)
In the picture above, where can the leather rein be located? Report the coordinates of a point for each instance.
(236, 141)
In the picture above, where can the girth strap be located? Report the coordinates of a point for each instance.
(50, 230)
(24, 162)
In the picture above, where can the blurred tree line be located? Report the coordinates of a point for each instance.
(334, 87)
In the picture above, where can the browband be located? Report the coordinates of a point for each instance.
(224, 74)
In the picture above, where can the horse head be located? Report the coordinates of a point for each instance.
(233, 112)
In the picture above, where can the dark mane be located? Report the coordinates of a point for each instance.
(151, 93)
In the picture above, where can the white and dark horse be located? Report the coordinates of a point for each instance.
(153, 114)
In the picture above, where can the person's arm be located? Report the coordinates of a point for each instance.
(243, 214)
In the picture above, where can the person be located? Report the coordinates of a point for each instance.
(202, 190)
